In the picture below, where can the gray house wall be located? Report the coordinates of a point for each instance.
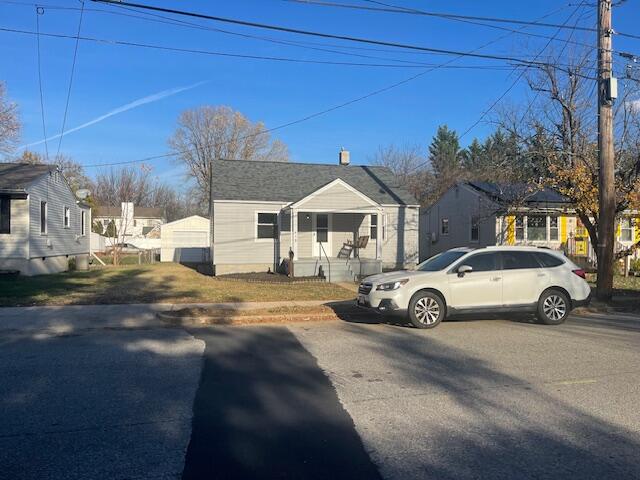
(459, 204)
(32, 253)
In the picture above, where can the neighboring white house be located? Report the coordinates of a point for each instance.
(482, 213)
(130, 221)
(264, 210)
(185, 240)
(42, 223)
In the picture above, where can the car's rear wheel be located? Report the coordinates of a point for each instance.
(553, 307)
(426, 310)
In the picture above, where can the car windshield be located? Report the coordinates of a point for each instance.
(441, 261)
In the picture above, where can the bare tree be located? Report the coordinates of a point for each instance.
(9, 122)
(410, 167)
(208, 133)
(557, 129)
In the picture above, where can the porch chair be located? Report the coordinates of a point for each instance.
(349, 246)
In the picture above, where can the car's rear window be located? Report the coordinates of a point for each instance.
(547, 260)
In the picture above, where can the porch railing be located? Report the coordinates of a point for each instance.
(328, 261)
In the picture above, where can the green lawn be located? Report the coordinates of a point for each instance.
(155, 283)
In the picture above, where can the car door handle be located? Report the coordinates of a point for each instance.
(495, 279)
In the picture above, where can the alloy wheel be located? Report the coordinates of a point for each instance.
(554, 307)
(427, 310)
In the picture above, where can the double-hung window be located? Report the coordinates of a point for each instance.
(267, 226)
(5, 214)
(444, 226)
(66, 217)
(43, 218)
(626, 230)
(475, 229)
(374, 227)
(537, 228)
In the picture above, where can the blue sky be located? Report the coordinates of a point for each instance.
(108, 77)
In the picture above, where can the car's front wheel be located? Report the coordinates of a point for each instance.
(553, 307)
(426, 310)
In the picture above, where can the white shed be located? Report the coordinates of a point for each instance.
(185, 240)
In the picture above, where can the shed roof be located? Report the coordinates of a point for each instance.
(289, 181)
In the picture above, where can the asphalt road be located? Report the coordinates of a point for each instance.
(94, 393)
(490, 398)
(110, 392)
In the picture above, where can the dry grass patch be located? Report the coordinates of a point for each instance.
(155, 283)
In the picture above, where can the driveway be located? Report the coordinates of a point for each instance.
(109, 392)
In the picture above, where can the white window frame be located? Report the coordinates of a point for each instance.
(66, 217)
(372, 226)
(44, 222)
(442, 222)
(257, 239)
(525, 229)
(628, 227)
(471, 219)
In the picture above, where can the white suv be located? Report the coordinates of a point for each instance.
(491, 279)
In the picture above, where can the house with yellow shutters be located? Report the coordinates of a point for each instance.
(478, 214)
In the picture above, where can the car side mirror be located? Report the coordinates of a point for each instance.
(463, 269)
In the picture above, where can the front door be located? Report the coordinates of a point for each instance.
(481, 287)
(321, 235)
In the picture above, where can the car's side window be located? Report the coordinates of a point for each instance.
(514, 260)
(482, 262)
(548, 261)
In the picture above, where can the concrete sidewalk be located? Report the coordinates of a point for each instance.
(59, 320)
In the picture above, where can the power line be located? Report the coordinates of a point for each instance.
(222, 54)
(322, 112)
(319, 34)
(73, 68)
(519, 77)
(412, 11)
(40, 11)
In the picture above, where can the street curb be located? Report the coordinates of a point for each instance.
(235, 320)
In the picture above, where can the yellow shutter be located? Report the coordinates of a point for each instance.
(619, 229)
(511, 229)
(563, 229)
(637, 237)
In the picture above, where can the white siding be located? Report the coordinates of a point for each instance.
(184, 239)
(335, 198)
(59, 240)
(16, 244)
(235, 234)
(400, 244)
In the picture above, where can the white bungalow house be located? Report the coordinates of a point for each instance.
(42, 224)
(482, 213)
(130, 221)
(342, 221)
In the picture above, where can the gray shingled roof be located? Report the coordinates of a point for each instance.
(18, 176)
(138, 212)
(519, 192)
(290, 182)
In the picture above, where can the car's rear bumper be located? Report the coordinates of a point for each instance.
(581, 303)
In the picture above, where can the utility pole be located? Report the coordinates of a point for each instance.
(211, 225)
(607, 92)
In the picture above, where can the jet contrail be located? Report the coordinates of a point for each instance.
(129, 106)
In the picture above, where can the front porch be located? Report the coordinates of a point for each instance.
(336, 232)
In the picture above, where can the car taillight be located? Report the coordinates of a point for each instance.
(580, 272)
